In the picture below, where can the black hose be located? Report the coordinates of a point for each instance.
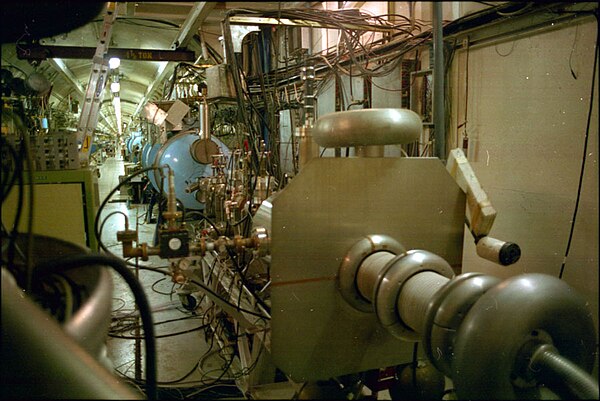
(560, 374)
(69, 262)
(97, 231)
(6, 187)
(29, 245)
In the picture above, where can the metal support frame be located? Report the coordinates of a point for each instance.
(256, 359)
(188, 29)
(438, 82)
(95, 88)
(190, 26)
(61, 67)
(39, 52)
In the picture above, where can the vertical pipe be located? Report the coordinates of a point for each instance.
(205, 119)
(172, 201)
(438, 81)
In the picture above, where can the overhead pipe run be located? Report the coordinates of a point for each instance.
(386, 126)
(438, 81)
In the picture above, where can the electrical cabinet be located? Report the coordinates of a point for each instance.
(65, 205)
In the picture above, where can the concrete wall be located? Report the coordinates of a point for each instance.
(526, 124)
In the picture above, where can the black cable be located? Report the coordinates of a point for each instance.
(182, 378)
(120, 307)
(158, 335)
(245, 282)
(24, 155)
(97, 233)
(255, 363)
(7, 187)
(297, 393)
(585, 146)
(90, 260)
(142, 382)
(207, 289)
(415, 362)
(159, 292)
(14, 231)
(204, 217)
(228, 364)
(112, 214)
(153, 269)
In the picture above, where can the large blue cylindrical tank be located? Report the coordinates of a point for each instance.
(148, 160)
(127, 140)
(177, 153)
(136, 140)
(145, 149)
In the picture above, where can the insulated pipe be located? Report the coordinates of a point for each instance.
(39, 360)
(85, 326)
(399, 287)
(367, 127)
(308, 76)
(172, 204)
(204, 125)
(438, 81)
(307, 148)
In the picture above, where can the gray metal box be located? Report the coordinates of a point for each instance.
(219, 83)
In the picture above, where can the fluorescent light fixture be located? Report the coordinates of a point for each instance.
(114, 63)
(115, 87)
(117, 106)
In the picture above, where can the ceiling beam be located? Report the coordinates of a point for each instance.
(62, 68)
(161, 73)
(190, 26)
(40, 52)
(163, 10)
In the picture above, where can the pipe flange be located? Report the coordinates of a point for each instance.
(490, 340)
(350, 264)
(262, 242)
(389, 284)
(445, 313)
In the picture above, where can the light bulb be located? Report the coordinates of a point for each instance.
(114, 63)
